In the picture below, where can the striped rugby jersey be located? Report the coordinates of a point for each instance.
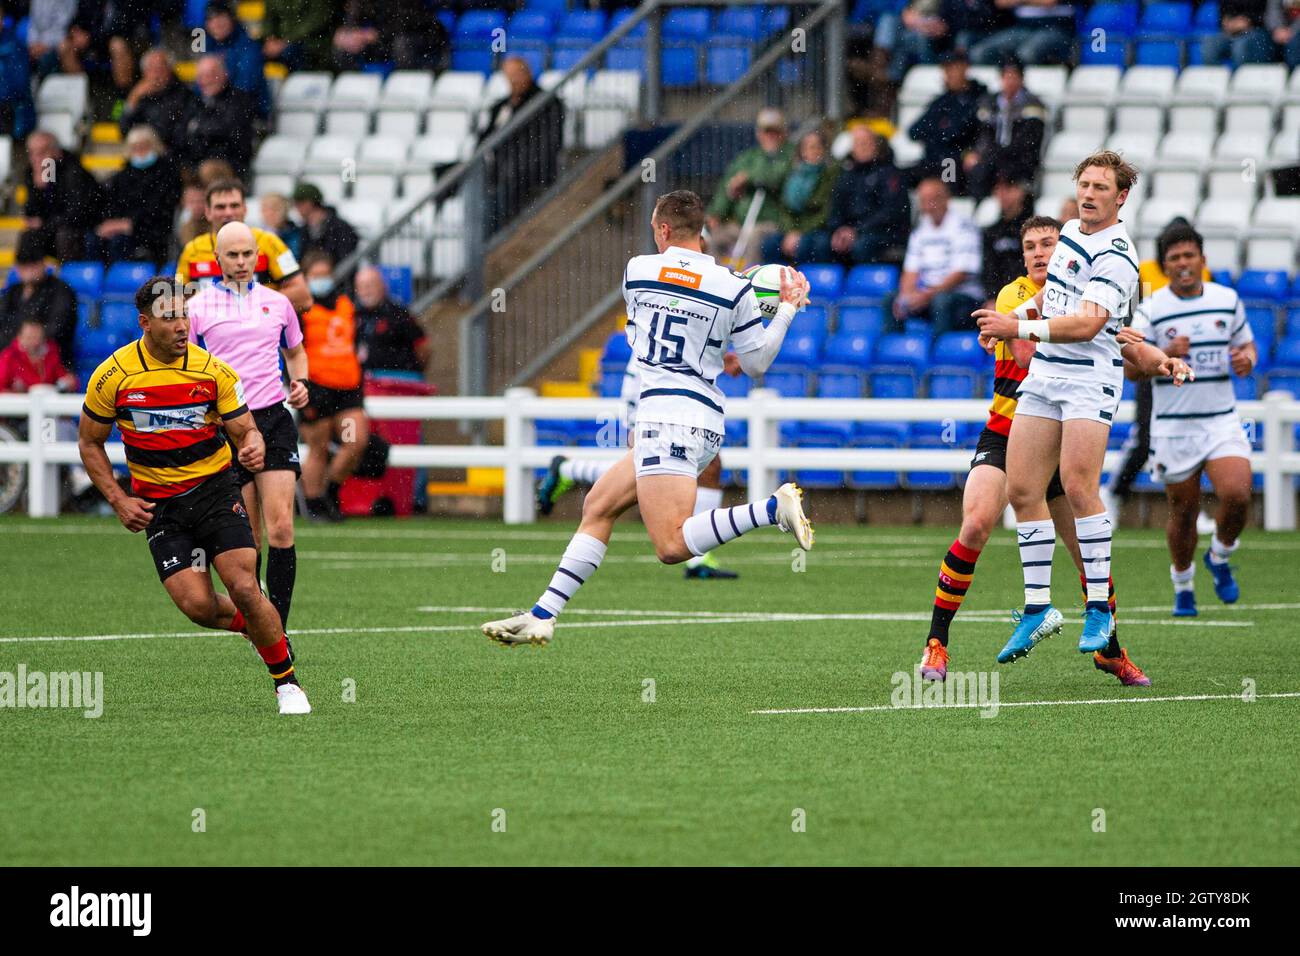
(169, 415)
(275, 262)
(1214, 321)
(682, 309)
(1099, 267)
(1007, 374)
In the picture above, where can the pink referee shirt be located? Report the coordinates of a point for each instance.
(246, 330)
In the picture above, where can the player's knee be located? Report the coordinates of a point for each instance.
(1020, 496)
(976, 531)
(672, 552)
(1236, 498)
(244, 592)
(279, 531)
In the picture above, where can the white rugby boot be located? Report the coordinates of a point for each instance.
(790, 516)
(523, 628)
(292, 699)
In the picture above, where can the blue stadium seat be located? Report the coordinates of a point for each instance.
(746, 22)
(555, 431)
(777, 19)
(1263, 284)
(619, 17)
(617, 351)
(680, 64)
(626, 56)
(556, 7)
(1113, 53)
(813, 320)
(586, 26)
(472, 61)
(86, 278)
(960, 349)
(1117, 19)
(533, 52)
(870, 281)
(819, 478)
(956, 384)
(1286, 357)
(825, 280)
(900, 350)
(1165, 19)
(868, 319)
(798, 352)
(877, 435)
(1246, 389)
(86, 318)
(1263, 323)
(734, 386)
(398, 280)
(565, 58)
(1207, 18)
(848, 349)
(611, 384)
(839, 433)
(929, 435)
(92, 347)
(893, 385)
(1159, 53)
(1221, 276)
(726, 61)
(1285, 380)
(1128, 393)
(787, 384)
(1119, 433)
(119, 316)
(530, 25)
(124, 278)
(691, 23)
(1292, 324)
(478, 24)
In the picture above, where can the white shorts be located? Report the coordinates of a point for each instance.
(666, 449)
(1063, 399)
(1178, 458)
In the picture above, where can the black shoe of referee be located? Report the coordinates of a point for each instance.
(323, 509)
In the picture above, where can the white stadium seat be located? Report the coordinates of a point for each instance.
(1193, 119)
(990, 76)
(1050, 204)
(332, 188)
(305, 93)
(1092, 84)
(1231, 148)
(64, 93)
(1147, 84)
(1270, 253)
(355, 91)
(63, 126)
(906, 151)
(987, 212)
(497, 87)
(1058, 182)
(1047, 83)
(1156, 213)
(407, 90)
(1138, 147)
(1089, 119)
(253, 212)
(298, 125)
(375, 187)
(1067, 148)
(1223, 217)
(1228, 182)
(1251, 120)
(458, 89)
(6, 155)
(430, 151)
(909, 114)
(1223, 253)
(363, 215)
(417, 185)
(1285, 149)
(1180, 184)
(354, 124)
(1186, 150)
(1206, 85)
(1277, 215)
(450, 124)
(330, 154)
(962, 205)
(281, 183)
(921, 84)
(1258, 83)
(610, 88)
(1138, 118)
(280, 154)
(382, 154)
(404, 124)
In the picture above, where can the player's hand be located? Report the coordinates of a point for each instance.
(1242, 362)
(731, 364)
(1176, 369)
(297, 394)
(794, 287)
(995, 324)
(134, 513)
(1177, 347)
(1129, 336)
(252, 454)
(988, 343)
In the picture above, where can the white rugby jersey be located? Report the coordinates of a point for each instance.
(1099, 268)
(682, 309)
(1214, 321)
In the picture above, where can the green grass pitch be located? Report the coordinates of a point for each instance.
(449, 735)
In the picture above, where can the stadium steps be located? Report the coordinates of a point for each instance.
(478, 483)
(585, 385)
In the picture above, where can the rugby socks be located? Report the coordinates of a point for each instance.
(581, 559)
(1113, 648)
(278, 662)
(1220, 552)
(1094, 534)
(281, 570)
(1037, 540)
(1182, 579)
(584, 471)
(238, 624)
(708, 529)
(706, 499)
(955, 574)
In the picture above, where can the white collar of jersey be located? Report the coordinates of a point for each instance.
(236, 288)
(679, 251)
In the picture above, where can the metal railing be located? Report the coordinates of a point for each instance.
(762, 458)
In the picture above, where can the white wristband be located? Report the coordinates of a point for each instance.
(1025, 310)
(785, 311)
(1035, 329)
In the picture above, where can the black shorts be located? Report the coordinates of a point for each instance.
(325, 402)
(280, 433)
(991, 449)
(190, 530)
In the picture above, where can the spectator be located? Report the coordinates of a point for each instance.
(214, 171)
(950, 124)
(17, 109)
(531, 160)
(869, 212)
(32, 360)
(63, 200)
(1069, 209)
(47, 28)
(762, 168)
(85, 39)
(1042, 32)
(298, 33)
(940, 280)
(928, 28)
(159, 100)
(130, 33)
(275, 216)
(192, 221)
(322, 229)
(1284, 17)
(335, 406)
(240, 52)
(38, 295)
(1010, 143)
(805, 201)
(1243, 39)
(221, 126)
(141, 201)
(1003, 259)
(388, 338)
(404, 32)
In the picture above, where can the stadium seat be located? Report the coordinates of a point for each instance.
(862, 319)
(119, 316)
(1158, 53)
(825, 280)
(811, 320)
(478, 25)
(734, 386)
(1111, 54)
(280, 154)
(123, 279)
(1286, 357)
(745, 22)
(1204, 85)
(787, 384)
(1263, 324)
(382, 154)
(903, 351)
(378, 188)
(352, 124)
(429, 151)
(680, 64)
(950, 384)
(1165, 19)
(921, 85)
(959, 350)
(363, 215)
(1245, 389)
(530, 25)
(472, 61)
(355, 91)
(398, 280)
(86, 278)
(799, 351)
(1271, 254)
(1086, 119)
(893, 385)
(581, 26)
(1116, 19)
(617, 351)
(304, 92)
(406, 90)
(851, 350)
(872, 282)
(1146, 85)
(1259, 284)
(565, 58)
(64, 93)
(726, 62)
(1224, 216)
(330, 154)
(458, 90)
(1258, 83)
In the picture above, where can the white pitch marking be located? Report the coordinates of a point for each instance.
(1020, 703)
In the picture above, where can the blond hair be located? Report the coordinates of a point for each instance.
(1126, 173)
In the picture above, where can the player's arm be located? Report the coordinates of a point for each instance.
(134, 513)
(243, 431)
(295, 360)
(756, 352)
(1022, 350)
(1144, 360)
(1080, 327)
(295, 290)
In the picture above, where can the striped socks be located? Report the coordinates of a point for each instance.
(706, 499)
(580, 560)
(278, 662)
(584, 471)
(955, 576)
(707, 530)
(1094, 544)
(1037, 539)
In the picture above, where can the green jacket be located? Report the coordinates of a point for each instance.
(309, 22)
(813, 215)
(765, 171)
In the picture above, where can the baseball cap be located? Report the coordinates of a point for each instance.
(308, 192)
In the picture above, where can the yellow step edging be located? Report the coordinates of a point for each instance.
(565, 390)
(251, 11)
(12, 222)
(589, 366)
(105, 133)
(6, 258)
(102, 162)
(275, 71)
(186, 69)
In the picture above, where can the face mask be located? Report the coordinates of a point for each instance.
(320, 286)
(144, 162)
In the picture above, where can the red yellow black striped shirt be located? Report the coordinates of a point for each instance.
(1007, 375)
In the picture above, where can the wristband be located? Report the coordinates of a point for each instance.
(1025, 310)
(305, 383)
(786, 311)
(1036, 330)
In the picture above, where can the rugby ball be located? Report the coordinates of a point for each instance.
(766, 282)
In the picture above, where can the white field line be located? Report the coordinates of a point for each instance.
(1021, 703)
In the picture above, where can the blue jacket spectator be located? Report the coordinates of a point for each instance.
(870, 211)
(242, 54)
(1244, 39)
(1042, 32)
(950, 125)
(17, 110)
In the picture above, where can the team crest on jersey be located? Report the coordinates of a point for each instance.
(1120, 244)
(238, 508)
(1221, 325)
(1072, 266)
